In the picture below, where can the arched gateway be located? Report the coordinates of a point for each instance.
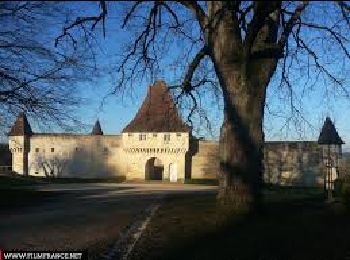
(154, 169)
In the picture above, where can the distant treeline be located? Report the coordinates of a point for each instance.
(5, 155)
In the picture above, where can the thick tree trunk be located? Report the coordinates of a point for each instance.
(241, 143)
(243, 80)
(241, 137)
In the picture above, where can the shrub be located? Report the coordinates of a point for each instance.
(338, 183)
(345, 194)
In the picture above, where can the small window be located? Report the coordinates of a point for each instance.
(20, 149)
(129, 134)
(142, 137)
(52, 150)
(155, 135)
(105, 151)
(36, 150)
(178, 134)
(167, 137)
(36, 172)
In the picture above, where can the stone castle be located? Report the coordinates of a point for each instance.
(155, 145)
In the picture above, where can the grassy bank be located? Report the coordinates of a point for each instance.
(296, 224)
(212, 182)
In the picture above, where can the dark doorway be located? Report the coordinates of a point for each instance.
(154, 169)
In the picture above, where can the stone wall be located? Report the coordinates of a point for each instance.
(94, 156)
(293, 163)
(80, 156)
(286, 163)
(205, 159)
(170, 150)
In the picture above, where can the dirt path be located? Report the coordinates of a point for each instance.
(80, 216)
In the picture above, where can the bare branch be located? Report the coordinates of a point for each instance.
(291, 22)
(337, 36)
(345, 10)
(35, 77)
(81, 20)
(322, 68)
(195, 8)
(187, 82)
(130, 13)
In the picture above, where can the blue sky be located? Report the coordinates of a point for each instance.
(119, 110)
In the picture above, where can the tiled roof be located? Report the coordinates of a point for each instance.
(96, 130)
(21, 126)
(329, 134)
(157, 113)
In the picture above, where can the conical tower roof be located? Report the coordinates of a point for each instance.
(96, 130)
(157, 113)
(21, 126)
(329, 134)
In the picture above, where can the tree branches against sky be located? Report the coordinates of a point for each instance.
(37, 77)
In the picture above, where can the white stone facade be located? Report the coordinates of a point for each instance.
(153, 146)
(128, 155)
(90, 156)
(169, 148)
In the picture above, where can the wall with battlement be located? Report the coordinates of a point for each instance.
(169, 148)
(99, 156)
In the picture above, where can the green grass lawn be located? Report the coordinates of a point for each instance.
(296, 224)
(212, 182)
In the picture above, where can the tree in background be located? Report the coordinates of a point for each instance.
(36, 77)
(240, 45)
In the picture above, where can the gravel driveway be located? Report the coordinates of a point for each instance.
(82, 216)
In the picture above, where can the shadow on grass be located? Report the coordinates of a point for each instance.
(294, 225)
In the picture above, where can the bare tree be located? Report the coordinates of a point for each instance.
(244, 43)
(36, 77)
